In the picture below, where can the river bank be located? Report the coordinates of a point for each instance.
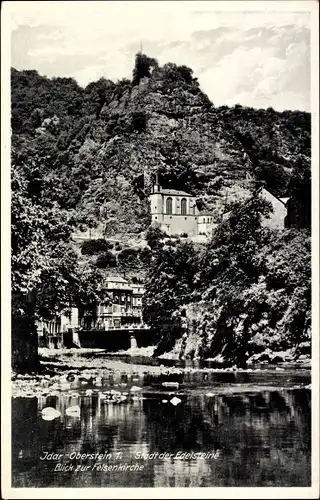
(63, 369)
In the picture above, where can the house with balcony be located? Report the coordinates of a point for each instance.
(121, 309)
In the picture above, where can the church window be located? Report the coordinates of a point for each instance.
(169, 205)
(183, 206)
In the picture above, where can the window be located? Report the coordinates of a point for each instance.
(194, 209)
(169, 205)
(183, 206)
(156, 218)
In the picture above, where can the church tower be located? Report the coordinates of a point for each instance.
(156, 202)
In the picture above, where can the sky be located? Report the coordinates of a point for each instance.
(248, 57)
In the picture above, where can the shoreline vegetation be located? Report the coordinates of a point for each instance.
(84, 160)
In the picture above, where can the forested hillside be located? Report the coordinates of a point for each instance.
(86, 157)
(97, 148)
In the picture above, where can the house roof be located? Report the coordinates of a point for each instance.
(285, 200)
(116, 279)
(205, 212)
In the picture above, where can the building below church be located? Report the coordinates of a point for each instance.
(176, 212)
(121, 309)
(278, 217)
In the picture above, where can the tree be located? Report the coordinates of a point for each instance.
(38, 236)
(97, 94)
(89, 290)
(92, 247)
(46, 276)
(169, 285)
(142, 68)
(228, 268)
(299, 189)
(106, 259)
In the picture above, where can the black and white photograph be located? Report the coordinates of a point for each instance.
(160, 249)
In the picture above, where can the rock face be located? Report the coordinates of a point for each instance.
(109, 140)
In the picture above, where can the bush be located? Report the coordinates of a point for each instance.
(145, 255)
(184, 235)
(139, 121)
(117, 246)
(128, 257)
(154, 235)
(171, 243)
(136, 280)
(92, 247)
(107, 259)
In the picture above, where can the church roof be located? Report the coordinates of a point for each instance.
(175, 192)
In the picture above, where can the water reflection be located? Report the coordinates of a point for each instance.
(263, 437)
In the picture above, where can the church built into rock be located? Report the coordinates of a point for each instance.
(176, 212)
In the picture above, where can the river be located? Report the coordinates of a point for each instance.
(191, 428)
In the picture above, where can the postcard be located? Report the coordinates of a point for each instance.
(160, 249)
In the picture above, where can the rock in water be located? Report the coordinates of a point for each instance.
(175, 401)
(73, 411)
(171, 384)
(135, 388)
(50, 413)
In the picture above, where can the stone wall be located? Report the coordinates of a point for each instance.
(182, 224)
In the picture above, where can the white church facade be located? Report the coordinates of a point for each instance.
(176, 212)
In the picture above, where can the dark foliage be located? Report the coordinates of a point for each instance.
(92, 247)
(142, 68)
(105, 260)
